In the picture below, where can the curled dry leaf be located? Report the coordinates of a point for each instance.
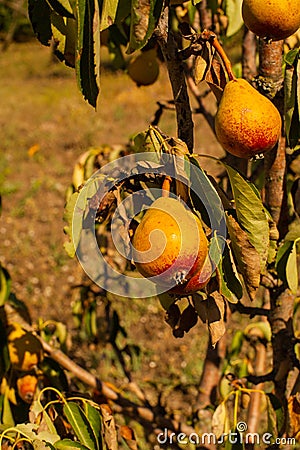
(247, 257)
(216, 78)
(187, 320)
(203, 63)
(173, 315)
(212, 312)
(109, 428)
(128, 435)
(294, 415)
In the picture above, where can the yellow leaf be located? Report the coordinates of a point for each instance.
(33, 150)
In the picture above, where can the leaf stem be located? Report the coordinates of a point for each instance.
(210, 36)
(166, 186)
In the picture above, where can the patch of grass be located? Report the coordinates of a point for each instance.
(6, 187)
(19, 210)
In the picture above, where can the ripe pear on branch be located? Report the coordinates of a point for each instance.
(169, 243)
(247, 123)
(274, 19)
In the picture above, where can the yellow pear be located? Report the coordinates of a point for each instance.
(246, 123)
(169, 242)
(144, 68)
(273, 19)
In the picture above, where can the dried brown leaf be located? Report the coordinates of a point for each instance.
(294, 415)
(109, 428)
(173, 315)
(187, 320)
(203, 63)
(216, 78)
(128, 435)
(200, 69)
(212, 312)
(247, 257)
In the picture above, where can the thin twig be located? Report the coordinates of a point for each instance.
(127, 407)
(199, 98)
(257, 379)
(250, 311)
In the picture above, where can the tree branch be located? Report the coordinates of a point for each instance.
(175, 68)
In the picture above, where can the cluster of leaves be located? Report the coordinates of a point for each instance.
(244, 258)
(77, 28)
(32, 406)
(68, 423)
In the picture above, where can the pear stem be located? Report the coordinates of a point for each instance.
(225, 59)
(209, 35)
(166, 186)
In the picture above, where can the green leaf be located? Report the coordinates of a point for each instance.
(286, 264)
(62, 7)
(291, 56)
(274, 403)
(144, 17)
(88, 50)
(166, 300)
(39, 14)
(64, 32)
(4, 353)
(251, 213)
(213, 5)
(206, 193)
(261, 329)
(68, 217)
(70, 42)
(56, 376)
(6, 414)
(148, 141)
(80, 424)
(233, 10)
(108, 14)
(292, 97)
(231, 286)
(291, 269)
(95, 421)
(236, 344)
(294, 232)
(5, 285)
(59, 33)
(69, 444)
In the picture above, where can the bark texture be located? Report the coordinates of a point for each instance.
(168, 45)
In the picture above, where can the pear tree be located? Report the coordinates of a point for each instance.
(249, 217)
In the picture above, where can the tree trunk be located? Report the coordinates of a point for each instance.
(282, 300)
